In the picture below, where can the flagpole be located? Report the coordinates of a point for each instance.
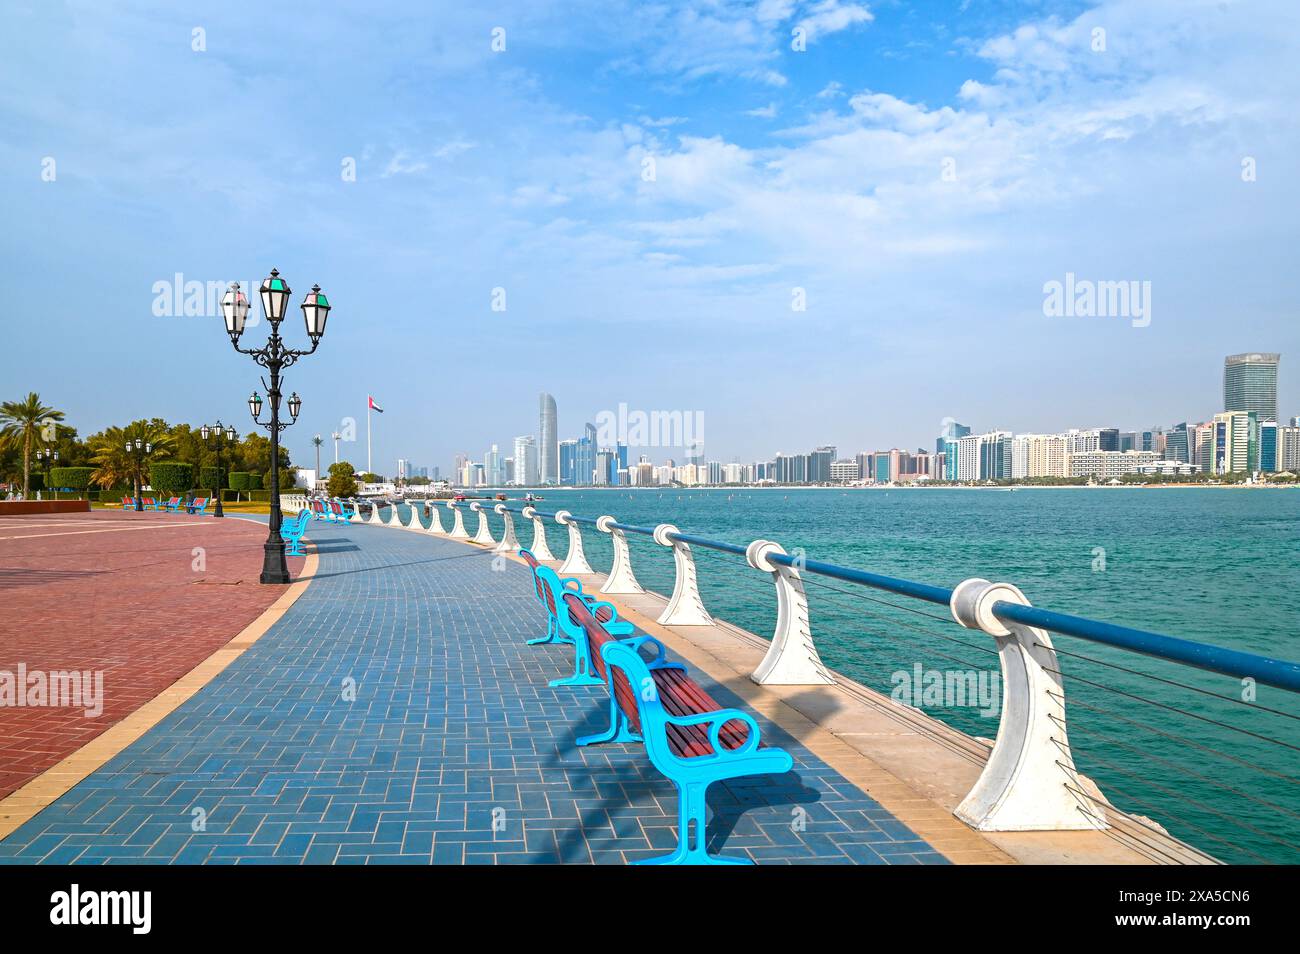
(368, 470)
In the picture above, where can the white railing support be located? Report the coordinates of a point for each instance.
(575, 561)
(435, 519)
(356, 512)
(792, 659)
(374, 514)
(1030, 782)
(484, 534)
(413, 521)
(540, 549)
(457, 523)
(509, 542)
(394, 518)
(621, 579)
(685, 608)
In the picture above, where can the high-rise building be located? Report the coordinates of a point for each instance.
(1180, 444)
(527, 472)
(1268, 447)
(493, 472)
(1235, 443)
(568, 462)
(1250, 384)
(548, 450)
(585, 458)
(819, 465)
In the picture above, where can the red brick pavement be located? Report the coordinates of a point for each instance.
(122, 594)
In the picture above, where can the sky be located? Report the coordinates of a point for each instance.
(805, 222)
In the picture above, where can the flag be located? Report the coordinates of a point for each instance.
(373, 405)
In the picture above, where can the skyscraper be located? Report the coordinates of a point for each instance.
(1250, 384)
(548, 451)
(526, 471)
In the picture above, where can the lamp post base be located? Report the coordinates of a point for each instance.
(274, 568)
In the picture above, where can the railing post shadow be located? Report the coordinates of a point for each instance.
(540, 549)
(621, 578)
(792, 659)
(457, 523)
(685, 608)
(509, 542)
(575, 561)
(1030, 782)
(484, 533)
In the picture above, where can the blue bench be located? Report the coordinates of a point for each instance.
(199, 505)
(688, 736)
(561, 628)
(348, 509)
(292, 531)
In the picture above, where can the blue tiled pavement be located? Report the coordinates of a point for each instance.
(395, 714)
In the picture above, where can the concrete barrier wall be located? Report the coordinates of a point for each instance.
(13, 508)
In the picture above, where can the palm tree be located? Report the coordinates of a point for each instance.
(116, 465)
(19, 421)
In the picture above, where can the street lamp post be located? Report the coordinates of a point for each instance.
(46, 457)
(275, 357)
(224, 435)
(140, 451)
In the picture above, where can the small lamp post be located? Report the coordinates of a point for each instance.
(139, 450)
(221, 436)
(275, 357)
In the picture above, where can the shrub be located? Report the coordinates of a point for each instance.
(73, 478)
(170, 478)
(254, 481)
(342, 480)
(211, 478)
(35, 482)
(238, 480)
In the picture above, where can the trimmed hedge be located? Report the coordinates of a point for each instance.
(170, 478)
(73, 478)
(255, 482)
(210, 477)
(239, 480)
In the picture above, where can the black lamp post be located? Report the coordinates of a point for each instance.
(222, 435)
(45, 457)
(275, 357)
(139, 451)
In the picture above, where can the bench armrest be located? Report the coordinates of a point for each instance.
(716, 721)
(636, 642)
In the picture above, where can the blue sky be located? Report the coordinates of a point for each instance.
(775, 169)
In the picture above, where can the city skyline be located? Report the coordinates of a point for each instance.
(687, 210)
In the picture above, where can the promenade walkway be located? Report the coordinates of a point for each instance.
(395, 714)
(136, 600)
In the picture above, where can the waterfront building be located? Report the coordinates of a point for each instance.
(1179, 444)
(733, 474)
(967, 458)
(527, 467)
(950, 432)
(568, 452)
(1128, 440)
(844, 471)
(1166, 468)
(548, 449)
(1108, 438)
(604, 467)
(1288, 447)
(585, 457)
(492, 470)
(994, 455)
(1104, 465)
(819, 465)
(1250, 384)
(402, 468)
(1038, 455)
(1235, 443)
(1268, 456)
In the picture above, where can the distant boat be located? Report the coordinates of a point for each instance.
(530, 498)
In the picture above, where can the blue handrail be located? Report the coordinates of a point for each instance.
(1279, 673)
(1231, 662)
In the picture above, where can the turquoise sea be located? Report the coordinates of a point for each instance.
(1216, 565)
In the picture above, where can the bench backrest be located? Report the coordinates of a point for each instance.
(590, 629)
(533, 565)
(200, 502)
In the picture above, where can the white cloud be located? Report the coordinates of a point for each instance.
(762, 112)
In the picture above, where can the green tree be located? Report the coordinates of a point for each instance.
(238, 481)
(116, 466)
(22, 423)
(342, 480)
